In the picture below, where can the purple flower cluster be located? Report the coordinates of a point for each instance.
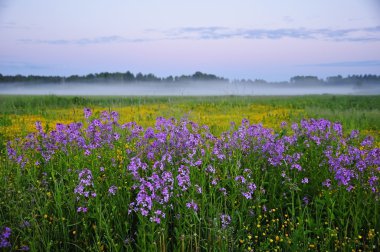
(158, 215)
(4, 238)
(157, 188)
(350, 164)
(164, 163)
(41, 147)
(192, 205)
(85, 189)
(112, 190)
(225, 219)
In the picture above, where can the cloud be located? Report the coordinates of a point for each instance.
(82, 41)
(86, 41)
(365, 34)
(351, 34)
(364, 63)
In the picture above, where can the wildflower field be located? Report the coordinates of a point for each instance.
(189, 173)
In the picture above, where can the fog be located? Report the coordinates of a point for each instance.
(186, 89)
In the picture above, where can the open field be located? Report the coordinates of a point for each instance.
(174, 174)
(18, 113)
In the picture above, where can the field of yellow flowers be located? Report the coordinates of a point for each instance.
(217, 117)
(18, 114)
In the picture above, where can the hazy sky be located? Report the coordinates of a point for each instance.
(267, 39)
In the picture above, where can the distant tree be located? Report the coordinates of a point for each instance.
(139, 77)
(305, 80)
(90, 77)
(335, 79)
(151, 77)
(260, 81)
(169, 79)
(199, 76)
(128, 76)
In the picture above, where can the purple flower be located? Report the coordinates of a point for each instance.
(247, 195)
(112, 190)
(264, 208)
(114, 116)
(82, 209)
(149, 133)
(25, 224)
(198, 189)
(214, 182)
(305, 180)
(337, 128)
(327, 183)
(192, 205)
(368, 141)
(223, 190)
(305, 200)
(350, 188)
(225, 219)
(210, 169)
(183, 177)
(252, 187)
(116, 136)
(4, 238)
(158, 215)
(294, 127)
(296, 166)
(38, 126)
(240, 178)
(372, 181)
(354, 134)
(85, 188)
(87, 112)
(24, 248)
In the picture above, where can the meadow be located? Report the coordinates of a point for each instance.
(189, 173)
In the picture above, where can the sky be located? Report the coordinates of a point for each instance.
(256, 39)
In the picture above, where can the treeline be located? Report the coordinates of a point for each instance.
(197, 76)
(111, 77)
(313, 80)
(350, 79)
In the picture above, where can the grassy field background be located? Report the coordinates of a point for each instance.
(18, 113)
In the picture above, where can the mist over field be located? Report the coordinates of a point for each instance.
(186, 89)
